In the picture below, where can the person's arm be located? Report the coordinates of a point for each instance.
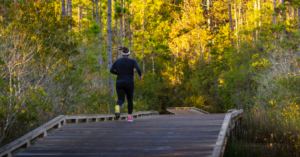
(136, 66)
(112, 69)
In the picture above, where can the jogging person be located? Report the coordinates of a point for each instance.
(123, 67)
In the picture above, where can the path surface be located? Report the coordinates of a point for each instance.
(182, 111)
(159, 135)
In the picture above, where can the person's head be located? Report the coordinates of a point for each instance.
(125, 51)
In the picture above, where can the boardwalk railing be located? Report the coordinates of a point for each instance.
(186, 108)
(230, 125)
(25, 141)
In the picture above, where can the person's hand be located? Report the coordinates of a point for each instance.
(141, 77)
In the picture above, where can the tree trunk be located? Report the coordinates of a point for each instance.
(143, 38)
(99, 48)
(230, 21)
(241, 13)
(88, 21)
(109, 50)
(129, 28)
(97, 15)
(259, 12)
(236, 25)
(274, 16)
(132, 37)
(63, 8)
(124, 21)
(282, 16)
(69, 8)
(208, 19)
(121, 28)
(236, 19)
(298, 19)
(116, 29)
(209, 28)
(93, 14)
(79, 17)
(152, 63)
(294, 13)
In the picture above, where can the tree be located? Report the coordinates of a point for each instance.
(69, 9)
(109, 48)
(63, 8)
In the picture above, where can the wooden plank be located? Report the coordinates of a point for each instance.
(181, 112)
(97, 152)
(185, 110)
(221, 142)
(109, 143)
(31, 135)
(184, 135)
(56, 123)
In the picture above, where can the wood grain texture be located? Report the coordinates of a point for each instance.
(227, 126)
(158, 135)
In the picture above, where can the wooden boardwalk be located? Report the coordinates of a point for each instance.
(158, 135)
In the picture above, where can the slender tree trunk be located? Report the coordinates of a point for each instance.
(241, 13)
(69, 5)
(236, 19)
(99, 47)
(209, 28)
(124, 21)
(116, 31)
(289, 11)
(79, 17)
(259, 12)
(121, 28)
(93, 14)
(88, 21)
(152, 61)
(63, 8)
(208, 19)
(294, 13)
(282, 16)
(129, 28)
(236, 25)
(255, 12)
(109, 49)
(123, 4)
(97, 14)
(199, 42)
(255, 18)
(298, 19)
(298, 52)
(274, 16)
(132, 37)
(230, 21)
(143, 37)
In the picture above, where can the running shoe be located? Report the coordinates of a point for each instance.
(117, 111)
(129, 119)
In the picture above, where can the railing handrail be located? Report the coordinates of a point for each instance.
(194, 108)
(227, 126)
(57, 122)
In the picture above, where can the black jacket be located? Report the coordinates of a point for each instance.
(123, 67)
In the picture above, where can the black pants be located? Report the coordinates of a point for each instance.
(122, 89)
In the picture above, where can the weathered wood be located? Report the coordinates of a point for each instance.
(158, 135)
(25, 141)
(185, 109)
(227, 126)
(6, 150)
